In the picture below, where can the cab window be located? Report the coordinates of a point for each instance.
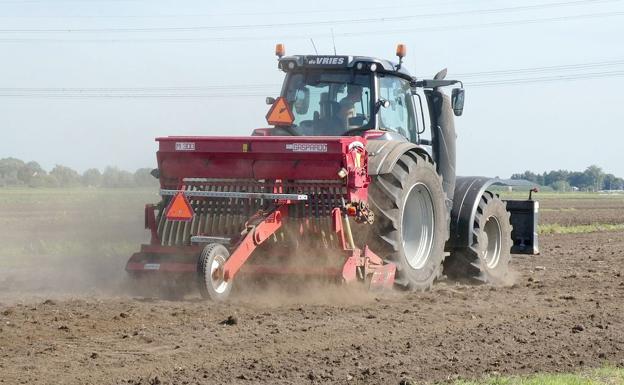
(399, 115)
(329, 102)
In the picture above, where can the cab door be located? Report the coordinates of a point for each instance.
(400, 115)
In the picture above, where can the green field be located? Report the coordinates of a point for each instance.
(604, 376)
(548, 195)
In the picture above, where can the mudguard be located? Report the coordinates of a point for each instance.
(383, 154)
(524, 216)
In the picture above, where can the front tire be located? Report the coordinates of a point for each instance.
(210, 273)
(487, 259)
(411, 220)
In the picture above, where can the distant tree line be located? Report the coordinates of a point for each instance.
(592, 179)
(15, 172)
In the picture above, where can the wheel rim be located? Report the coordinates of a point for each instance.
(493, 232)
(217, 279)
(418, 225)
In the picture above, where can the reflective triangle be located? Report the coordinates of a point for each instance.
(280, 114)
(179, 209)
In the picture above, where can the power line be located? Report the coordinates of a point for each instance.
(530, 70)
(139, 89)
(128, 96)
(111, 95)
(263, 89)
(548, 79)
(237, 13)
(306, 37)
(302, 24)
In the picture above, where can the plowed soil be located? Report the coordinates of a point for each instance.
(563, 313)
(573, 212)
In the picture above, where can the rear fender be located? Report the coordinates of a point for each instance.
(383, 154)
(468, 192)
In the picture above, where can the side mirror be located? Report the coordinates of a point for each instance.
(382, 103)
(457, 101)
(302, 101)
(269, 100)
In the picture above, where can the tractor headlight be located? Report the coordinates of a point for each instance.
(288, 65)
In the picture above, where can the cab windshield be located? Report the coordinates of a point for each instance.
(330, 102)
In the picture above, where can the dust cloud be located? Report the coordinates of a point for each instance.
(57, 243)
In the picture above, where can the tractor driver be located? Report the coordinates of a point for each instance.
(347, 104)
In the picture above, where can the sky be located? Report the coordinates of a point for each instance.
(91, 83)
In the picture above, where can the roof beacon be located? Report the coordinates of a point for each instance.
(401, 51)
(280, 50)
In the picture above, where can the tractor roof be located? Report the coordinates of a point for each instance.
(329, 62)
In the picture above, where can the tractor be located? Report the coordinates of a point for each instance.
(346, 184)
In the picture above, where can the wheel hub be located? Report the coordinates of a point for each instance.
(217, 278)
(493, 235)
(418, 224)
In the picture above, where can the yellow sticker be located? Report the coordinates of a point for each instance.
(245, 147)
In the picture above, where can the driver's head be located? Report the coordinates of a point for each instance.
(354, 91)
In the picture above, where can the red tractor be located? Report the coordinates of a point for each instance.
(344, 185)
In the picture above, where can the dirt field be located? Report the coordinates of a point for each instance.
(64, 316)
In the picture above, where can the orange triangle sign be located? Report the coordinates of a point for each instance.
(179, 208)
(280, 114)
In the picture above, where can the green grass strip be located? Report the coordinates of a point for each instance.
(556, 228)
(603, 376)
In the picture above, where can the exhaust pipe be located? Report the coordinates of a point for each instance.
(443, 138)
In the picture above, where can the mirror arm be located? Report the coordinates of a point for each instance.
(381, 103)
(433, 83)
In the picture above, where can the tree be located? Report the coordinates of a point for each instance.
(611, 182)
(143, 178)
(527, 175)
(554, 176)
(65, 176)
(594, 177)
(30, 171)
(9, 171)
(92, 178)
(561, 185)
(114, 177)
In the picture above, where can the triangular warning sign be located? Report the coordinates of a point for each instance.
(179, 209)
(280, 114)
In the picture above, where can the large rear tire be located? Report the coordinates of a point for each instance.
(487, 259)
(411, 220)
(210, 273)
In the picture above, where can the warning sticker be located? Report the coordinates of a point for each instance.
(185, 146)
(307, 147)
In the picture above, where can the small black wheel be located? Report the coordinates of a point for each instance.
(212, 284)
(487, 259)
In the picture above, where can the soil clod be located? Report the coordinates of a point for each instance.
(231, 320)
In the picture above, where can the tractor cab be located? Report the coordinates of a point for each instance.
(331, 95)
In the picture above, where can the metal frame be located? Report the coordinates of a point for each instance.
(234, 194)
(262, 164)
